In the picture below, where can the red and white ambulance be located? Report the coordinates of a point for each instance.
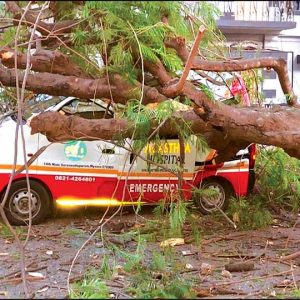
(99, 173)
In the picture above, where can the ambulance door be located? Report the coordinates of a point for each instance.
(79, 169)
(155, 181)
(8, 137)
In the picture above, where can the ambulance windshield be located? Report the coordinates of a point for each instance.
(33, 105)
(40, 103)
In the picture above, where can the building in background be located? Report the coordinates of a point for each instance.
(266, 28)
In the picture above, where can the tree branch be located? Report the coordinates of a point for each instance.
(190, 59)
(43, 61)
(60, 85)
(224, 129)
(44, 28)
(58, 127)
(277, 126)
(279, 66)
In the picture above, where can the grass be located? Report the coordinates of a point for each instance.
(89, 288)
(295, 293)
(73, 231)
(6, 233)
(250, 212)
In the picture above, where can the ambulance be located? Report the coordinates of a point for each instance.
(103, 173)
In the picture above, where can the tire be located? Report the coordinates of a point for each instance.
(222, 200)
(16, 206)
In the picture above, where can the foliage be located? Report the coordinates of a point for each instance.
(207, 91)
(119, 21)
(89, 288)
(148, 276)
(73, 231)
(249, 213)
(296, 293)
(6, 233)
(196, 233)
(210, 192)
(132, 260)
(206, 13)
(116, 27)
(105, 268)
(253, 80)
(277, 181)
(176, 214)
(7, 36)
(278, 178)
(112, 27)
(158, 262)
(168, 287)
(177, 217)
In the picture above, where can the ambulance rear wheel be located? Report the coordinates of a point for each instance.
(220, 198)
(17, 203)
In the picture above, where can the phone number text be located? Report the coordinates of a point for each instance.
(75, 178)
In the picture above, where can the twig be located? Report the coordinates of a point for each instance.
(106, 68)
(190, 59)
(253, 278)
(20, 98)
(20, 104)
(2, 212)
(227, 237)
(112, 284)
(14, 272)
(18, 280)
(181, 166)
(291, 256)
(223, 213)
(279, 261)
(288, 239)
(32, 159)
(294, 280)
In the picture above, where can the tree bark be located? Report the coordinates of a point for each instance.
(278, 126)
(224, 130)
(44, 28)
(59, 85)
(279, 66)
(43, 61)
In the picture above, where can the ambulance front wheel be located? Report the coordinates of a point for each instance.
(221, 193)
(17, 203)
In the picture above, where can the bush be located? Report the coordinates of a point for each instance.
(278, 178)
(249, 213)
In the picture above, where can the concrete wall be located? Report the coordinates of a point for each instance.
(266, 35)
(288, 40)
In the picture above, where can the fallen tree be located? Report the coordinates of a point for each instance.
(129, 51)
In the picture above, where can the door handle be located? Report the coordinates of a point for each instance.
(108, 151)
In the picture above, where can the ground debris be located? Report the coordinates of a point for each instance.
(217, 248)
(239, 267)
(205, 269)
(291, 256)
(206, 292)
(172, 242)
(226, 274)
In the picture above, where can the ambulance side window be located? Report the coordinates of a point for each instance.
(86, 109)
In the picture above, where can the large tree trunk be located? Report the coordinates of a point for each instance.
(225, 130)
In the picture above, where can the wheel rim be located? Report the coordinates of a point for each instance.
(209, 203)
(19, 204)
